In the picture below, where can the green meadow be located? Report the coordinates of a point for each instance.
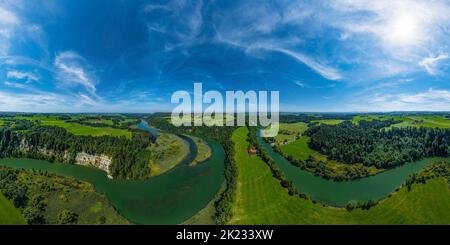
(168, 151)
(328, 121)
(76, 128)
(203, 150)
(299, 149)
(289, 131)
(429, 121)
(359, 118)
(104, 121)
(261, 200)
(9, 215)
(424, 121)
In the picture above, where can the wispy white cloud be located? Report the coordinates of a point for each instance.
(182, 20)
(431, 63)
(8, 21)
(13, 84)
(7, 17)
(251, 46)
(305, 85)
(29, 76)
(326, 71)
(378, 39)
(41, 101)
(31, 102)
(398, 34)
(432, 95)
(71, 70)
(431, 99)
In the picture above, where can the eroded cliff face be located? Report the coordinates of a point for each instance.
(99, 161)
(82, 158)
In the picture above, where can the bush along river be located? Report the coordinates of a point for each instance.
(170, 198)
(340, 193)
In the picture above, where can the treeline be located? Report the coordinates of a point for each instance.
(117, 121)
(129, 157)
(31, 205)
(372, 145)
(306, 118)
(276, 172)
(434, 170)
(223, 204)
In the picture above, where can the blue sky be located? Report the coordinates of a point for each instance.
(130, 56)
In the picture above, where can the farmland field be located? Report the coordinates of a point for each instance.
(328, 121)
(299, 149)
(104, 121)
(261, 200)
(289, 131)
(75, 128)
(428, 121)
(424, 121)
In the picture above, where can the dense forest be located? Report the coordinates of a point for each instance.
(129, 157)
(371, 144)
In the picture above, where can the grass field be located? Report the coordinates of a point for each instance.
(424, 121)
(128, 120)
(75, 128)
(299, 149)
(288, 131)
(298, 127)
(358, 118)
(328, 121)
(168, 151)
(88, 204)
(104, 121)
(203, 150)
(429, 121)
(9, 215)
(261, 200)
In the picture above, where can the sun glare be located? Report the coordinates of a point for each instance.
(403, 29)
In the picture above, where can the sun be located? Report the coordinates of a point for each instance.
(403, 29)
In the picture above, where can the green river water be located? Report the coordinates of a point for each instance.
(340, 193)
(170, 198)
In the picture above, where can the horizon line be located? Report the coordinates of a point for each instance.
(280, 112)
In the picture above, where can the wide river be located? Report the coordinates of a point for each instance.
(340, 193)
(170, 198)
